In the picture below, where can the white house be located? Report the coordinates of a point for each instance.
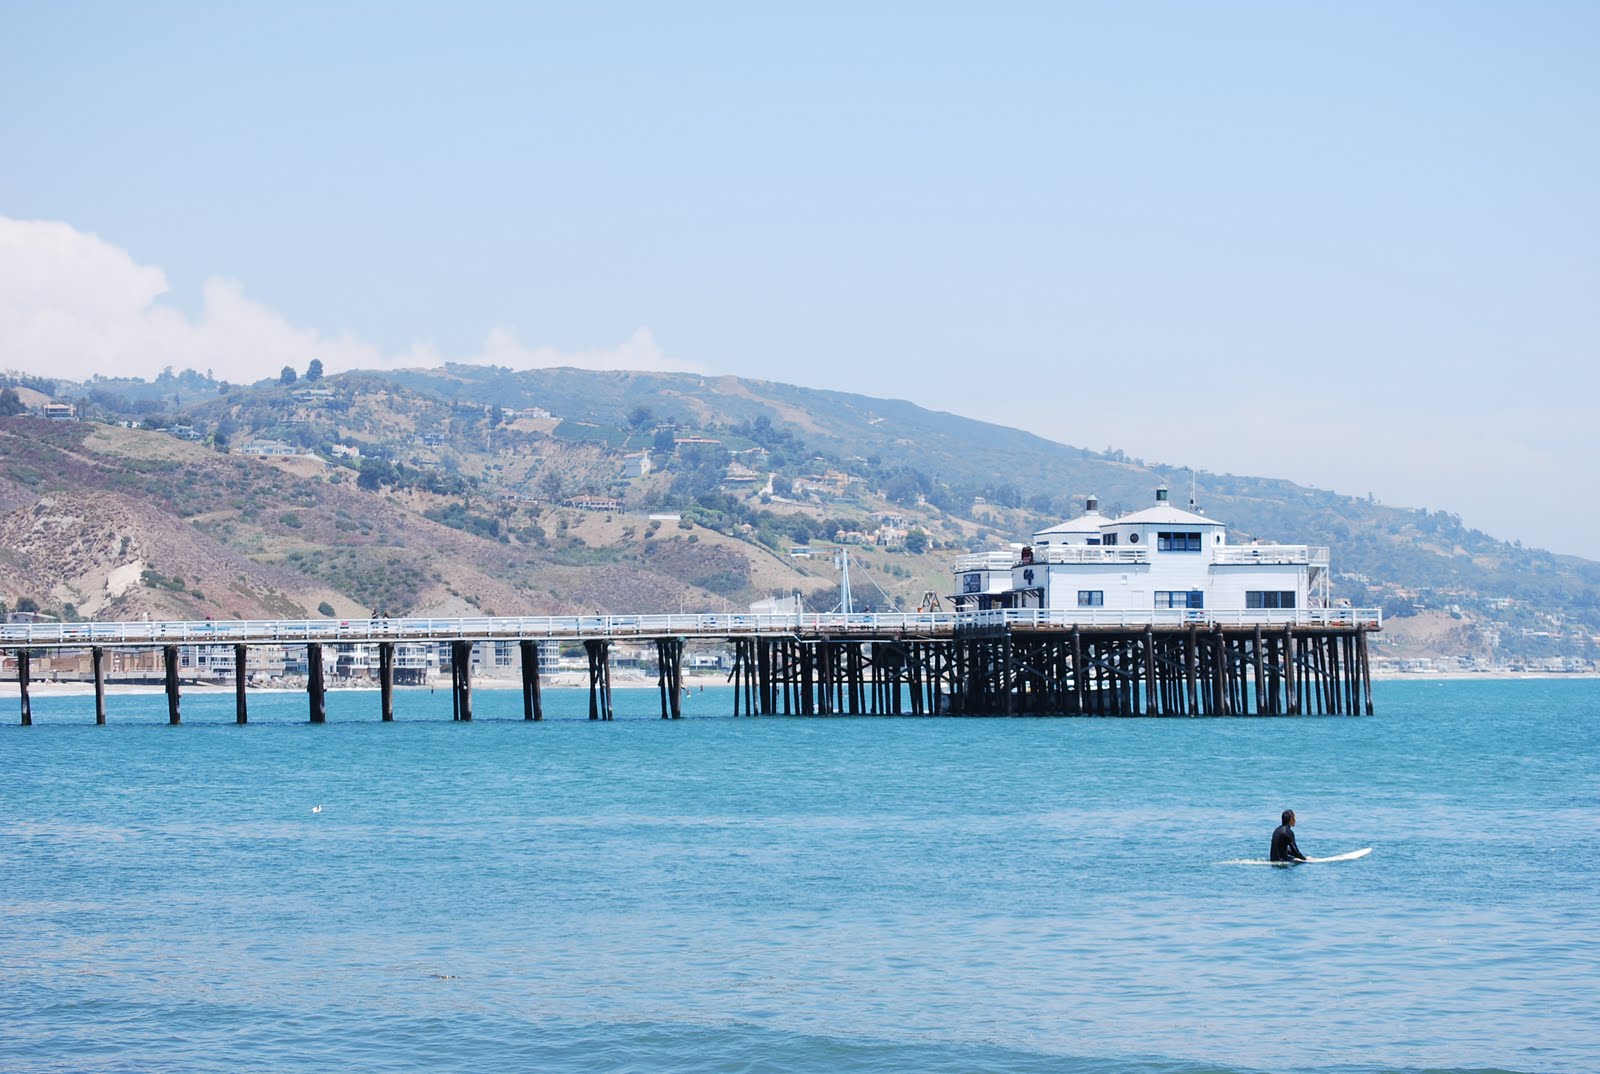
(1160, 559)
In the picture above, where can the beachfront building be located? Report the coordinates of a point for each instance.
(1160, 559)
(214, 663)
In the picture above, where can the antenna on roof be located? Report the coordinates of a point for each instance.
(1192, 505)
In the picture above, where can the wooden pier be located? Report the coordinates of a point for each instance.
(997, 663)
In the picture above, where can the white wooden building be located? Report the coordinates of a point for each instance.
(1159, 559)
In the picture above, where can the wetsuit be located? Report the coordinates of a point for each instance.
(1283, 846)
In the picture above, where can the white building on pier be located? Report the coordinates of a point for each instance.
(1160, 559)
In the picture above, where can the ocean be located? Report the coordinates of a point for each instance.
(800, 895)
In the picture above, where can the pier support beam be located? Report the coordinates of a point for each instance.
(1261, 674)
(386, 680)
(599, 652)
(97, 659)
(1291, 672)
(1366, 667)
(532, 703)
(23, 659)
(1152, 689)
(241, 661)
(1079, 699)
(315, 692)
(669, 662)
(169, 655)
(461, 680)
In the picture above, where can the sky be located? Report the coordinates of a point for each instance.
(1353, 245)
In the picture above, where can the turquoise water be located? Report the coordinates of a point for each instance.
(753, 895)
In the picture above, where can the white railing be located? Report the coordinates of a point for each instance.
(985, 561)
(1247, 555)
(491, 628)
(484, 628)
(1176, 617)
(1078, 553)
(1050, 553)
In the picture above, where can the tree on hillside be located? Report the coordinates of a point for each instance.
(288, 376)
(10, 403)
(314, 370)
(550, 484)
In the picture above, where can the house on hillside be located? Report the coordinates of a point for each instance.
(267, 449)
(889, 536)
(593, 503)
(59, 411)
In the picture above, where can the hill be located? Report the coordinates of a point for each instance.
(478, 488)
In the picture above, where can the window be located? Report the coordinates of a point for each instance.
(1109, 538)
(1091, 598)
(972, 583)
(1177, 542)
(1177, 598)
(1269, 598)
(1133, 538)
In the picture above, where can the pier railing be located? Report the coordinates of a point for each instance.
(1251, 555)
(480, 628)
(1346, 618)
(1248, 555)
(577, 627)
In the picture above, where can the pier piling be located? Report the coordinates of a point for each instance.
(169, 655)
(669, 677)
(532, 704)
(386, 680)
(315, 691)
(599, 652)
(241, 711)
(461, 680)
(22, 687)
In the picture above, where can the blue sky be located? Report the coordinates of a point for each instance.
(1353, 245)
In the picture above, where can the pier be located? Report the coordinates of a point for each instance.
(1008, 662)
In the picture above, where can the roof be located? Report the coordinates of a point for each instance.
(1166, 513)
(1086, 523)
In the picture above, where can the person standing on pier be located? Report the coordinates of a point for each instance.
(1283, 844)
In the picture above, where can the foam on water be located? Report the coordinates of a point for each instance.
(798, 895)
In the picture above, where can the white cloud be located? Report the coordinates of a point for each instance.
(73, 305)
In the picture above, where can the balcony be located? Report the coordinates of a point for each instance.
(1251, 555)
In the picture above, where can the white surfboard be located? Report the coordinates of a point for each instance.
(1350, 856)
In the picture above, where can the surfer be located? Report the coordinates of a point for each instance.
(1283, 845)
